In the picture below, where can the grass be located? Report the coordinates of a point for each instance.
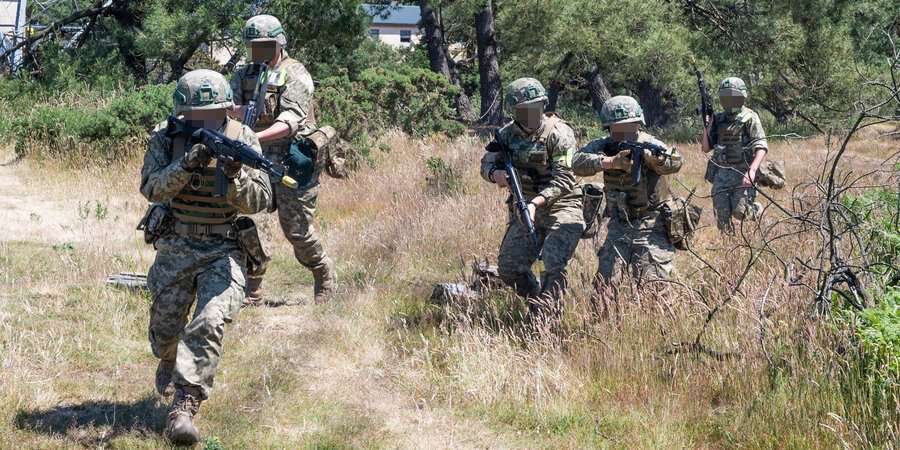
(383, 367)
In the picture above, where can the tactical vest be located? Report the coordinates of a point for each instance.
(196, 204)
(731, 136)
(634, 201)
(272, 105)
(531, 158)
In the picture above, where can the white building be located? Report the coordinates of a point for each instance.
(397, 26)
(12, 24)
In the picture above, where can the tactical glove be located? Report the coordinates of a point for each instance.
(621, 161)
(198, 157)
(654, 162)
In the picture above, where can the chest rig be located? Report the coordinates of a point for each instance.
(275, 89)
(732, 137)
(625, 198)
(196, 204)
(531, 157)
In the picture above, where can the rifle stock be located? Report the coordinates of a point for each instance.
(251, 114)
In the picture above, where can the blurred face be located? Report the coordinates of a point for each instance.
(624, 131)
(264, 51)
(529, 117)
(731, 104)
(209, 118)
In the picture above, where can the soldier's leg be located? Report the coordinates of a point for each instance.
(172, 291)
(614, 254)
(296, 210)
(515, 259)
(654, 257)
(220, 291)
(721, 195)
(745, 207)
(559, 246)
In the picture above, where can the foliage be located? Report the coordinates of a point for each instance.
(442, 178)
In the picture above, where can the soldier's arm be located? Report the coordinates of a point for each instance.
(251, 191)
(296, 100)
(161, 178)
(756, 136)
(588, 160)
(562, 147)
(668, 163)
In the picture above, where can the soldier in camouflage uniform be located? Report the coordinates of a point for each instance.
(739, 147)
(542, 146)
(286, 114)
(198, 260)
(636, 240)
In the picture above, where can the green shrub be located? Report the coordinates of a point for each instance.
(442, 178)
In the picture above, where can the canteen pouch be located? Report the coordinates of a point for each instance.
(592, 204)
(681, 220)
(156, 222)
(248, 238)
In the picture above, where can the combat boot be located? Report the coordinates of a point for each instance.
(253, 291)
(164, 384)
(324, 281)
(180, 429)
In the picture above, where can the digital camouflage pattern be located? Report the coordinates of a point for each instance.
(735, 138)
(544, 163)
(192, 269)
(621, 109)
(264, 28)
(202, 89)
(733, 87)
(637, 241)
(524, 91)
(289, 98)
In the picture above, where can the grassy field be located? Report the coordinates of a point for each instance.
(382, 367)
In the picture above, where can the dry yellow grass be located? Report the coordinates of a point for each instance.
(381, 366)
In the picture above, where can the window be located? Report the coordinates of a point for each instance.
(406, 36)
(375, 33)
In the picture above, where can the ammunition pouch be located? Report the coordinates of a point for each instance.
(771, 174)
(681, 220)
(248, 238)
(592, 204)
(157, 221)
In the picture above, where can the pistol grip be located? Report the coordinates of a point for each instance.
(221, 180)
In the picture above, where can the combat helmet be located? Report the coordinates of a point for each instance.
(524, 91)
(733, 87)
(621, 109)
(200, 90)
(264, 28)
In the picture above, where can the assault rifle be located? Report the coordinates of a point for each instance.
(251, 114)
(518, 197)
(706, 107)
(637, 155)
(226, 151)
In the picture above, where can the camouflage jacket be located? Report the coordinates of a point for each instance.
(741, 134)
(289, 98)
(543, 159)
(163, 178)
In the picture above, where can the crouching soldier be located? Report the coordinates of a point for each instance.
(199, 261)
(540, 147)
(637, 239)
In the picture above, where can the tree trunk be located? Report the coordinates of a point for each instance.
(658, 104)
(597, 87)
(439, 57)
(488, 67)
(177, 64)
(556, 83)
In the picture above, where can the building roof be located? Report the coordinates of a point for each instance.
(393, 15)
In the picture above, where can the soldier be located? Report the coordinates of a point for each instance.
(636, 235)
(542, 146)
(739, 143)
(198, 257)
(285, 115)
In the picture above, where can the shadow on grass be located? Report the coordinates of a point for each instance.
(95, 423)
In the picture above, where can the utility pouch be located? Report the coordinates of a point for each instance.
(157, 221)
(592, 204)
(300, 162)
(711, 165)
(681, 220)
(771, 174)
(330, 151)
(248, 238)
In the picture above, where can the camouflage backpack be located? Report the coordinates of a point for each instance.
(771, 174)
(681, 219)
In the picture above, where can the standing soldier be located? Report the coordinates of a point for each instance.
(541, 147)
(199, 259)
(284, 114)
(637, 239)
(739, 147)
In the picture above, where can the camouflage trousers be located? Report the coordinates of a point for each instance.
(731, 199)
(296, 214)
(208, 273)
(640, 248)
(559, 232)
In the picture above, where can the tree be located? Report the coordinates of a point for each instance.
(439, 58)
(488, 66)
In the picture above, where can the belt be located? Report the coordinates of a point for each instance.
(225, 230)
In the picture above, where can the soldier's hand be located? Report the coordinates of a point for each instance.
(197, 157)
(652, 161)
(499, 177)
(532, 211)
(621, 161)
(749, 178)
(232, 169)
